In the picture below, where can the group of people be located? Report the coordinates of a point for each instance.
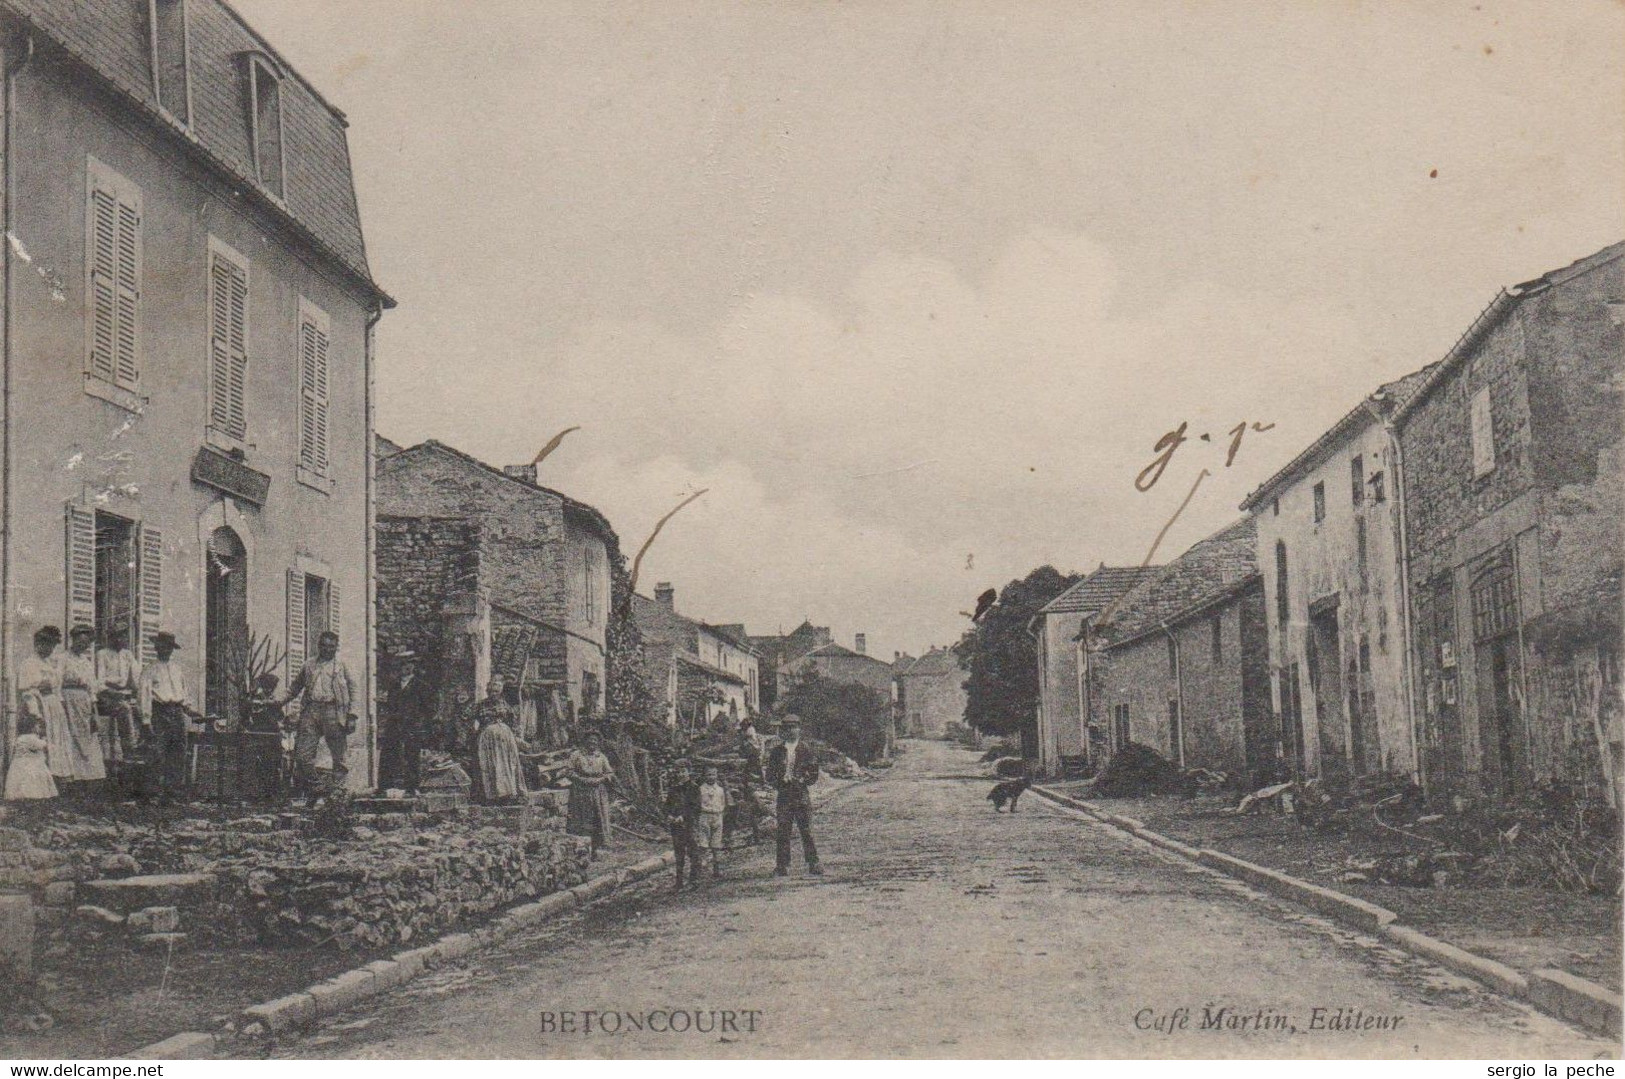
(696, 808)
(88, 715)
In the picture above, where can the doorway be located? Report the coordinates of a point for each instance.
(1326, 682)
(226, 644)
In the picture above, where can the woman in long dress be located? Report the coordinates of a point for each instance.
(77, 669)
(500, 777)
(590, 775)
(39, 696)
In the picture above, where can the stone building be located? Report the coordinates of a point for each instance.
(778, 649)
(930, 693)
(1328, 549)
(482, 570)
(837, 663)
(1182, 662)
(188, 359)
(1512, 498)
(701, 673)
(1063, 662)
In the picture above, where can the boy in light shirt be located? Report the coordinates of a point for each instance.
(708, 826)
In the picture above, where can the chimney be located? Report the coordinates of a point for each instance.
(860, 644)
(526, 473)
(666, 595)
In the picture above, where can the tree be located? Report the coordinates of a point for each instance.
(1001, 689)
(852, 718)
(628, 697)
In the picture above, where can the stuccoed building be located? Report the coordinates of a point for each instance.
(188, 356)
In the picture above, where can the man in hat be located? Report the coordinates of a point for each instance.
(118, 682)
(792, 769)
(410, 710)
(164, 708)
(326, 692)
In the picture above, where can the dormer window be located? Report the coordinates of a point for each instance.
(166, 23)
(265, 120)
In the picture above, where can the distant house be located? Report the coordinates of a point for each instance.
(1328, 548)
(1512, 499)
(930, 693)
(701, 673)
(1063, 658)
(483, 571)
(778, 649)
(1182, 663)
(831, 661)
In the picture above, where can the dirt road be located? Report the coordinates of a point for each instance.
(944, 929)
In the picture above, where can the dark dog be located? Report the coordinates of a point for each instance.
(1008, 791)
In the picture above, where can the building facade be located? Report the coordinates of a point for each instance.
(837, 663)
(517, 584)
(930, 693)
(703, 674)
(1512, 497)
(1328, 550)
(188, 358)
(1181, 660)
(1064, 730)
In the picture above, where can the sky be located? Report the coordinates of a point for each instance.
(912, 289)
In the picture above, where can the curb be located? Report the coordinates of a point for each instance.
(344, 991)
(1584, 1003)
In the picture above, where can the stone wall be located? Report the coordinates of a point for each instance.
(422, 563)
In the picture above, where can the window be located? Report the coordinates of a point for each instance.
(314, 334)
(113, 575)
(1320, 502)
(1483, 434)
(1218, 638)
(228, 342)
(1275, 507)
(1120, 725)
(1379, 492)
(1282, 603)
(166, 20)
(313, 608)
(1357, 479)
(113, 282)
(1360, 547)
(1495, 607)
(265, 122)
(1173, 656)
(589, 592)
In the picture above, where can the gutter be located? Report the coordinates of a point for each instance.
(370, 411)
(8, 219)
(1179, 693)
(1402, 535)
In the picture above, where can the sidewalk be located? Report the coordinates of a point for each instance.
(1523, 927)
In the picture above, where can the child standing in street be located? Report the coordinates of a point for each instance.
(708, 828)
(682, 809)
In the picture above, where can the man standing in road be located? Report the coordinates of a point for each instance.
(325, 691)
(792, 769)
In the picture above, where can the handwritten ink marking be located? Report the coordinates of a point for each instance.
(1165, 447)
(1235, 437)
(1105, 616)
(637, 563)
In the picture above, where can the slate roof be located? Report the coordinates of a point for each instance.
(318, 200)
(1216, 567)
(837, 651)
(1092, 594)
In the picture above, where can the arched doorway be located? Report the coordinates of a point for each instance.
(225, 645)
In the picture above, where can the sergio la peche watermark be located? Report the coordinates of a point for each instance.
(653, 1021)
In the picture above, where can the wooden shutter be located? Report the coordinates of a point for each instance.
(314, 344)
(296, 624)
(151, 605)
(332, 606)
(80, 568)
(113, 267)
(228, 344)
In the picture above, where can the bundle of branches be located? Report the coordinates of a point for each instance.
(1137, 770)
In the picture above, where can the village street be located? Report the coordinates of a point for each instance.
(943, 929)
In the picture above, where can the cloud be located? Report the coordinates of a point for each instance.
(860, 453)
